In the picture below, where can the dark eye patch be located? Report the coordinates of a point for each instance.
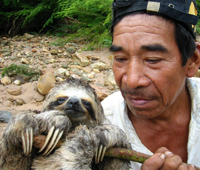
(89, 108)
(86, 103)
(61, 100)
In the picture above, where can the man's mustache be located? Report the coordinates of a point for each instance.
(139, 92)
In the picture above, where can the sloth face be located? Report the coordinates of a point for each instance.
(78, 101)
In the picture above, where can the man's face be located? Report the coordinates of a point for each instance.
(147, 65)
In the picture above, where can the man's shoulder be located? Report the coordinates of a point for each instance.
(193, 84)
(112, 102)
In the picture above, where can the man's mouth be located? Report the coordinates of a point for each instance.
(139, 101)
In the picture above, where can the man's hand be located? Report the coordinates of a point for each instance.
(163, 159)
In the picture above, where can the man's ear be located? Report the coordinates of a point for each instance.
(194, 62)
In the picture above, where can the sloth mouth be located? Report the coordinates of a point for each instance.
(75, 115)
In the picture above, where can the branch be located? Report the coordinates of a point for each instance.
(120, 153)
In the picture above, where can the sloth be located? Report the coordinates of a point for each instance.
(72, 114)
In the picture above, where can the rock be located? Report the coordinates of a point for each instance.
(28, 36)
(100, 66)
(71, 50)
(38, 97)
(95, 57)
(6, 54)
(34, 50)
(52, 60)
(109, 79)
(96, 70)
(54, 52)
(22, 78)
(25, 61)
(64, 65)
(19, 102)
(17, 82)
(91, 75)
(5, 116)
(76, 67)
(59, 79)
(14, 90)
(82, 60)
(61, 71)
(29, 93)
(46, 82)
(6, 80)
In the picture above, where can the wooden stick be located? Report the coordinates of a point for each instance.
(120, 153)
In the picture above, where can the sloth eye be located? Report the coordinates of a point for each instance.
(61, 100)
(86, 103)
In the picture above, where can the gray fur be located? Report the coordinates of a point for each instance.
(82, 136)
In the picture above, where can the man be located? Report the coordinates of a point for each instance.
(154, 57)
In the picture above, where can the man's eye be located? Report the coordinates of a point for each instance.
(120, 59)
(61, 100)
(153, 61)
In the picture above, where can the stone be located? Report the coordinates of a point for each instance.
(100, 66)
(22, 78)
(54, 52)
(19, 102)
(6, 80)
(14, 90)
(38, 97)
(46, 82)
(25, 61)
(34, 50)
(109, 79)
(76, 67)
(52, 60)
(28, 36)
(61, 71)
(5, 116)
(91, 75)
(17, 82)
(82, 60)
(96, 70)
(71, 50)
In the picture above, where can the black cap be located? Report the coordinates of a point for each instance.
(183, 11)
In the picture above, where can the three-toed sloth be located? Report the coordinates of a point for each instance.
(73, 113)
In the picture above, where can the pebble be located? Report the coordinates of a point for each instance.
(39, 54)
(6, 80)
(5, 116)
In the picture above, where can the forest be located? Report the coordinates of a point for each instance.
(80, 20)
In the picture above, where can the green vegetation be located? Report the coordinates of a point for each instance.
(83, 21)
(75, 20)
(198, 24)
(14, 70)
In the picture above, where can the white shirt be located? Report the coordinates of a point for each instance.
(116, 111)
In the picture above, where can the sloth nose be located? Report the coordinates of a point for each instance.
(72, 103)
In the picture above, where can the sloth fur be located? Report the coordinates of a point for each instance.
(73, 113)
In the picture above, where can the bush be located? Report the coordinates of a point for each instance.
(77, 20)
(83, 19)
(14, 70)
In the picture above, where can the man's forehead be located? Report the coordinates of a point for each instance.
(137, 22)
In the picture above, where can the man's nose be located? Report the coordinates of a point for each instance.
(136, 75)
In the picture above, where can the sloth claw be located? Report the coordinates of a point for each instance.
(53, 142)
(52, 139)
(27, 141)
(100, 154)
(47, 139)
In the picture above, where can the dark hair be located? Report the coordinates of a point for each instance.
(183, 38)
(185, 42)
